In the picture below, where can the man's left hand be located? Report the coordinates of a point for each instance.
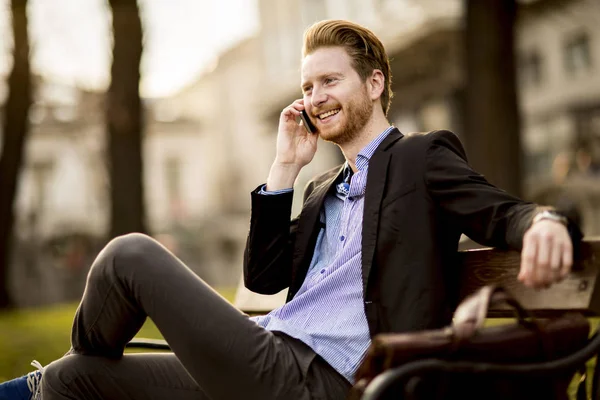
(547, 255)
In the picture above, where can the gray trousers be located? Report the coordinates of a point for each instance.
(218, 353)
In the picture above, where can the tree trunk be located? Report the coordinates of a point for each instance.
(15, 126)
(124, 117)
(492, 115)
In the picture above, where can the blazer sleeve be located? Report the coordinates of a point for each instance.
(485, 213)
(268, 253)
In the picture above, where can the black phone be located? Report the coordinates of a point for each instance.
(307, 122)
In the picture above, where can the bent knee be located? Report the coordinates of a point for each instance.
(134, 248)
(131, 243)
(127, 251)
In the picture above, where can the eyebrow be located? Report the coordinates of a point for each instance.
(322, 76)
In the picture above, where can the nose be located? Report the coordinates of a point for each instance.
(318, 98)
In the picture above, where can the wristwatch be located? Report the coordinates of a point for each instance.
(552, 216)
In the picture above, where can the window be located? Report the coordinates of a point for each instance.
(531, 69)
(577, 56)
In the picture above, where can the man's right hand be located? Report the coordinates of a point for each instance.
(295, 148)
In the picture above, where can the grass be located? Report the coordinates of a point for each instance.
(43, 334)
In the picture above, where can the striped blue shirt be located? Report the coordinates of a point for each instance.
(327, 313)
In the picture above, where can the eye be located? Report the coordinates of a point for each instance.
(328, 81)
(306, 90)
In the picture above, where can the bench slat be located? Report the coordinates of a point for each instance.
(578, 292)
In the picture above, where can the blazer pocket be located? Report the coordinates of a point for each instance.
(402, 191)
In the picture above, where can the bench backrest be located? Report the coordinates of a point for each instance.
(577, 292)
(500, 267)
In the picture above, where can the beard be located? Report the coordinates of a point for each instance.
(357, 113)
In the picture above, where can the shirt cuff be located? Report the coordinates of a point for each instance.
(263, 190)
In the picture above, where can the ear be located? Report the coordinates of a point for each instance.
(376, 84)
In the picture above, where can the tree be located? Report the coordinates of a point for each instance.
(492, 118)
(15, 127)
(124, 118)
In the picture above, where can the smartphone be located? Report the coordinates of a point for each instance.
(307, 122)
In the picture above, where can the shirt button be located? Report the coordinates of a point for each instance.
(342, 238)
(322, 271)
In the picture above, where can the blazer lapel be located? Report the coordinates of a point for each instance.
(376, 179)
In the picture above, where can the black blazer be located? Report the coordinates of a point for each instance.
(421, 195)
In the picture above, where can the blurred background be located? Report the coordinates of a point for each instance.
(161, 116)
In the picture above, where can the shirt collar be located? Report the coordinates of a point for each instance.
(363, 157)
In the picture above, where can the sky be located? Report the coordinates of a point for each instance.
(71, 39)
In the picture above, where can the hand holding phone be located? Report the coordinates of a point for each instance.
(294, 148)
(307, 122)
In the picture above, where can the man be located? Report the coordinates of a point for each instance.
(371, 252)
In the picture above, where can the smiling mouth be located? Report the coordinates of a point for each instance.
(329, 113)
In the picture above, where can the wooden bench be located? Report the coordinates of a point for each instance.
(578, 292)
